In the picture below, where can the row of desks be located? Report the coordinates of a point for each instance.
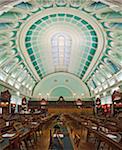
(15, 137)
(102, 136)
(11, 138)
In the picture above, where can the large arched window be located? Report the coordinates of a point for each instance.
(105, 71)
(61, 49)
(100, 76)
(7, 67)
(111, 65)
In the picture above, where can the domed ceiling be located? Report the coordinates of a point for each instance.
(42, 37)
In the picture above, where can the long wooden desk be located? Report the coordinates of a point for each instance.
(24, 134)
(100, 135)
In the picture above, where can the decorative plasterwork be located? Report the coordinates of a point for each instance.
(99, 20)
(35, 34)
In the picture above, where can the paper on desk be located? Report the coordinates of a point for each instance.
(94, 128)
(34, 123)
(8, 135)
(111, 136)
(58, 135)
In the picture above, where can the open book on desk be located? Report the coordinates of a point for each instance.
(8, 135)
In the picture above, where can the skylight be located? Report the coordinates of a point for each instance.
(61, 49)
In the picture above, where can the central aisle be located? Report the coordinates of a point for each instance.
(60, 138)
(66, 140)
(54, 136)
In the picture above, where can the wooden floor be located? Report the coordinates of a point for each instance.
(43, 141)
(86, 146)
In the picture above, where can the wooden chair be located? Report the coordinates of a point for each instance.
(25, 134)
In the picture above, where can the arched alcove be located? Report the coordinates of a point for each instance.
(54, 84)
(61, 91)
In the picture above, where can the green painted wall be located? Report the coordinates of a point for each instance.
(61, 91)
(51, 85)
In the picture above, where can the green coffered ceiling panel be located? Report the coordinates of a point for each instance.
(39, 38)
